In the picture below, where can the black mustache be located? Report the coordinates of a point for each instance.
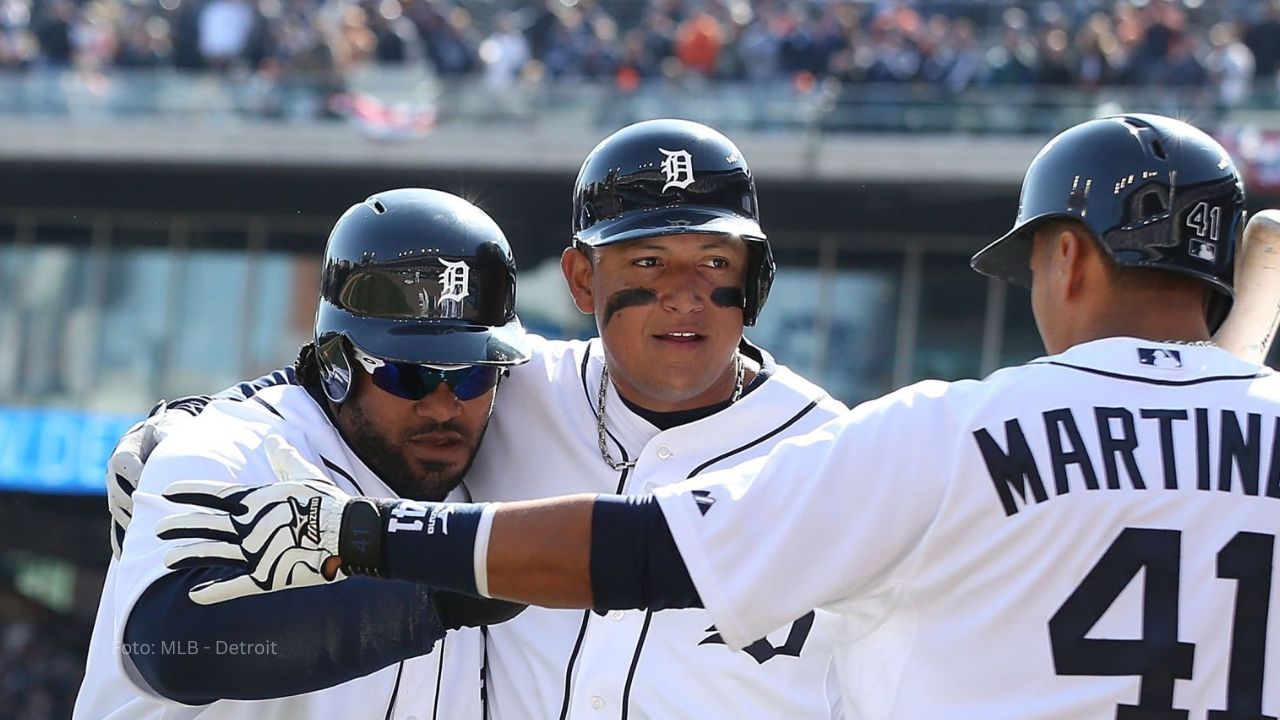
(447, 426)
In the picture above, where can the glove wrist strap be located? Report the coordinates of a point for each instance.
(360, 538)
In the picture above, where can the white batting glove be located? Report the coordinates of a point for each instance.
(125, 466)
(279, 534)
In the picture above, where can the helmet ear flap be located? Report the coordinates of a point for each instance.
(335, 368)
(760, 272)
(1219, 308)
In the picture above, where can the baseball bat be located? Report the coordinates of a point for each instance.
(1250, 327)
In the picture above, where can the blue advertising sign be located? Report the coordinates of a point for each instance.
(57, 451)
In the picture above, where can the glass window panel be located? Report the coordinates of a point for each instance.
(207, 329)
(12, 258)
(50, 291)
(953, 302)
(835, 328)
(281, 317)
(132, 343)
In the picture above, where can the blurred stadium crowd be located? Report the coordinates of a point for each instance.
(41, 657)
(950, 44)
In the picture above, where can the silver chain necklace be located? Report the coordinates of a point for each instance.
(604, 393)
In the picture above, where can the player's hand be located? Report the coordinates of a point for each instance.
(279, 534)
(125, 467)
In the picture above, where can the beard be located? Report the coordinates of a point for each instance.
(386, 456)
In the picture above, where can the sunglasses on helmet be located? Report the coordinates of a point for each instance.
(414, 382)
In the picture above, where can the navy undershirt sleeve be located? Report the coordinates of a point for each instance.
(277, 644)
(635, 564)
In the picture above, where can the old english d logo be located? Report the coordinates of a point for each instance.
(454, 280)
(677, 168)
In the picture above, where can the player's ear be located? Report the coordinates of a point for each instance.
(1066, 252)
(578, 271)
(1083, 262)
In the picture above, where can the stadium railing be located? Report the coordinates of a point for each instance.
(403, 95)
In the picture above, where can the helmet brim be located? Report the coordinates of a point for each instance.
(1009, 257)
(676, 220)
(432, 342)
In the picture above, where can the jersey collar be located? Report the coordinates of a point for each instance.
(1174, 363)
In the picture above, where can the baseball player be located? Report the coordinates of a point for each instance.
(1089, 535)
(669, 257)
(393, 397)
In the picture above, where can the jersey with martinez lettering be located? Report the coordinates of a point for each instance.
(224, 443)
(543, 442)
(1090, 535)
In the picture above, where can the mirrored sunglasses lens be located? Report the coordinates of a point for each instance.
(414, 382)
(470, 383)
(410, 382)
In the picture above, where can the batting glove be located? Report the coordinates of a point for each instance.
(279, 534)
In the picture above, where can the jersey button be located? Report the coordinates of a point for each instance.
(615, 615)
(650, 486)
(664, 452)
(597, 702)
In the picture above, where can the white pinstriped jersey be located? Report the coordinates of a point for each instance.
(224, 443)
(1090, 535)
(542, 442)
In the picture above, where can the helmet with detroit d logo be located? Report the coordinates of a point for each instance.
(670, 177)
(416, 276)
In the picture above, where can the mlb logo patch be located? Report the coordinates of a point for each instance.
(1204, 251)
(1160, 357)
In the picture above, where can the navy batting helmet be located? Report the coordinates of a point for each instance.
(416, 276)
(1155, 192)
(670, 177)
